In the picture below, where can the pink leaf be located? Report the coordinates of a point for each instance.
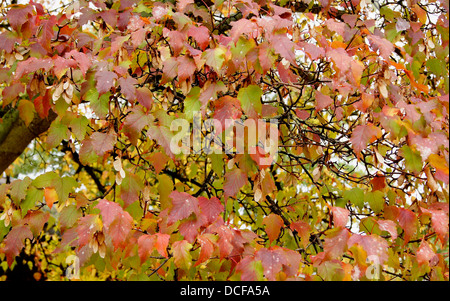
(183, 206)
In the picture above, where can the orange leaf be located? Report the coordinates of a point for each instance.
(50, 196)
(273, 224)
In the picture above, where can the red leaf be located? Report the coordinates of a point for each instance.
(389, 226)
(285, 47)
(336, 242)
(105, 80)
(86, 227)
(340, 216)
(117, 222)
(11, 92)
(210, 208)
(382, 45)
(186, 68)
(303, 230)
(170, 69)
(234, 180)
(145, 97)
(200, 34)
(189, 228)
(362, 135)
(31, 65)
(130, 188)
(322, 101)
(82, 59)
(8, 40)
(42, 105)
(439, 222)
(103, 142)
(206, 247)
(183, 206)
(424, 253)
(373, 244)
(15, 241)
(243, 26)
(127, 87)
(272, 261)
(146, 244)
(18, 15)
(162, 241)
(227, 107)
(378, 182)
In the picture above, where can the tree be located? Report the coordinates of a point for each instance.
(94, 169)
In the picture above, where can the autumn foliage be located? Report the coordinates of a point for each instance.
(358, 190)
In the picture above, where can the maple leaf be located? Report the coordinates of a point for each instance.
(183, 206)
(336, 243)
(83, 60)
(186, 68)
(373, 244)
(272, 261)
(210, 208)
(385, 47)
(15, 241)
(105, 81)
(200, 34)
(8, 40)
(244, 26)
(303, 230)
(425, 254)
(362, 135)
(340, 216)
(182, 256)
(117, 222)
(439, 222)
(285, 47)
(103, 142)
(127, 87)
(130, 188)
(11, 92)
(250, 269)
(146, 244)
(389, 226)
(190, 227)
(227, 107)
(145, 97)
(234, 180)
(273, 223)
(207, 243)
(322, 101)
(32, 64)
(215, 58)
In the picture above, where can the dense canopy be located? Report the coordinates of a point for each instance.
(352, 185)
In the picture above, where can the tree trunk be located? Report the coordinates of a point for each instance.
(15, 136)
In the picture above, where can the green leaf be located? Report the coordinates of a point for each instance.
(56, 133)
(34, 195)
(413, 160)
(355, 196)
(63, 187)
(69, 215)
(19, 189)
(79, 126)
(100, 105)
(192, 103)
(375, 200)
(436, 66)
(44, 180)
(250, 98)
